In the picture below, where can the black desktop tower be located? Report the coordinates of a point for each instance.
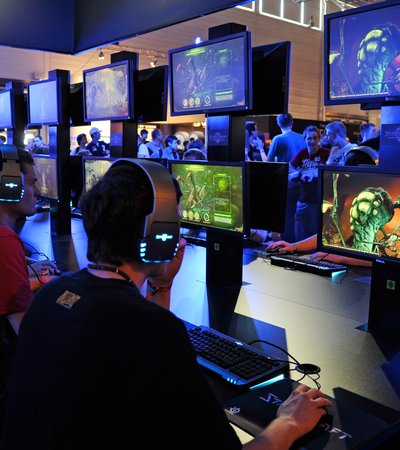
(384, 307)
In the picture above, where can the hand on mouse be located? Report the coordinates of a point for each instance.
(282, 246)
(41, 268)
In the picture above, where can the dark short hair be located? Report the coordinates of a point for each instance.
(80, 137)
(143, 131)
(311, 129)
(194, 153)
(284, 120)
(113, 212)
(250, 126)
(25, 158)
(169, 139)
(198, 143)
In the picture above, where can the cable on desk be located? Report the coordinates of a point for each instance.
(306, 369)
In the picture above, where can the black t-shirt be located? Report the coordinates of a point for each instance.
(99, 367)
(98, 149)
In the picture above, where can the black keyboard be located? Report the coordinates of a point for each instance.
(306, 264)
(231, 359)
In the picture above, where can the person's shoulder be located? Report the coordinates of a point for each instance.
(6, 231)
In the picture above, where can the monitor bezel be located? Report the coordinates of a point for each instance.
(29, 86)
(58, 186)
(10, 93)
(352, 253)
(197, 226)
(131, 65)
(246, 35)
(249, 195)
(260, 106)
(366, 102)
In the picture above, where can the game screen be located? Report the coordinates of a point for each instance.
(212, 194)
(46, 172)
(363, 55)
(360, 213)
(106, 92)
(94, 169)
(6, 116)
(43, 103)
(210, 76)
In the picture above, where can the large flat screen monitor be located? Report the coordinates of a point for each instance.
(108, 91)
(212, 194)
(266, 186)
(44, 103)
(362, 55)
(7, 109)
(151, 97)
(271, 78)
(360, 212)
(46, 173)
(211, 77)
(93, 169)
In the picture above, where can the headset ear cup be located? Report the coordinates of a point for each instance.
(11, 177)
(159, 233)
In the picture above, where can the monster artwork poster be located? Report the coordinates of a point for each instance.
(361, 214)
(364, 55)
(94, 169)
(46, 172)
(212, 195)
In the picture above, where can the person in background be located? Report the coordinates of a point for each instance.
(81, 150)
(336, 134)
(143, 136)
(304, 168)
(283, 147)
(98, 383)
(258, 147)
(250, 130)
(29, 146)
(143, 151)
(3, 139)
(155, 146)
(367, 131)
(96, 146)
(39, 147)
(171, 147)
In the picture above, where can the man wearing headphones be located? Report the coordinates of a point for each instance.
(109, 369)
(15, 290)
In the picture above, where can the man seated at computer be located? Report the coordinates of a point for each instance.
(108, 368)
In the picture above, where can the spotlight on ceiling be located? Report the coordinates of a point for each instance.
(101, 55)
(153, 61)
(198, 40)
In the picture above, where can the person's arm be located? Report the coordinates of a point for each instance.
(306, 245)
(159, 287)
(297, 416)
(37, 282)
(258, 236)
(338, 259)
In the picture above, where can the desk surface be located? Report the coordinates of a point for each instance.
(316, 319)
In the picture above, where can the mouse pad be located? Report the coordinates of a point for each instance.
(346, 426)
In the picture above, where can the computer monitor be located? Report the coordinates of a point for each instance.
(7, 119)
(76, 105)
(93, 169)
(211, 77)
(212, 194)
(109, 91)
(151, 97)
(266, 185)
(359, 212)
(46, 172)
(271, 78)
(44, 103)
(362, 55)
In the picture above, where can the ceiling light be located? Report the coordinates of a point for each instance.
(311, 23)
(153, 61)
(101, 55)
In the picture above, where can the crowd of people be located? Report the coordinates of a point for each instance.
(169, 147)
